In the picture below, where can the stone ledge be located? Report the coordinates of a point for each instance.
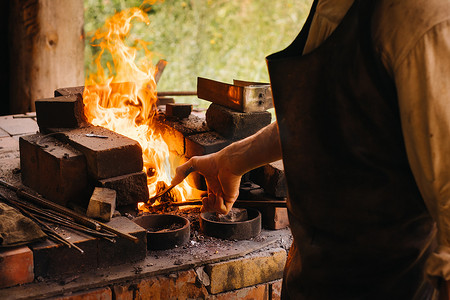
(250, 270)
(98, 294)
(156, 263)
(18, 126)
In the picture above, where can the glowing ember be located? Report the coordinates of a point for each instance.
(124, 101)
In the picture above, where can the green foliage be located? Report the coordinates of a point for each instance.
(217, 39)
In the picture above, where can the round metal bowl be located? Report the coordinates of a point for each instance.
(232, 230)
(164, 231)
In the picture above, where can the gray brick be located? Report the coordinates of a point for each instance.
(107, 157)
(54, 169)
(179, 110)
(60, 112)
(233, 124)
(271, 178)
(131, 188)
(54, 259)
(69, 91)
(205, 143)
(3, 133)
(174, 130)
(123, 250)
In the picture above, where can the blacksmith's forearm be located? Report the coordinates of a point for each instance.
(254, 151)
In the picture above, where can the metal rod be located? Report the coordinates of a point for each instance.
(62, 240)
(76, 216)
(160, 194)
(276, 203)
(159, 69)
(77, 227)
(177, 93)
(119, 233)
(47, 229)
(24, 116)
(41, 201)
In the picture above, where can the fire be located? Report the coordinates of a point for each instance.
(122, 97)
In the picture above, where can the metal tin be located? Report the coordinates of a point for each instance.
(232, 230)
(167, 238)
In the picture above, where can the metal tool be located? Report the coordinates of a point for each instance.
(160, 194)
(163, 192)
(239, 203)
(176, 93)
(68, 212)
(96, 136)
(242, 96)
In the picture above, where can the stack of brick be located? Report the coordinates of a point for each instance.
(69, 157)
(226, 121)
(52, 259)
(235, 116)
(272, 182)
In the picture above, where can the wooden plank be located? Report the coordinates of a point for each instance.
(47, 49)
(224, 94)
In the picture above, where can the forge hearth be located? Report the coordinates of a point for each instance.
(69, 156)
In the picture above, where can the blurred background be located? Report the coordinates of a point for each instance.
(217, 39)
(49, 42)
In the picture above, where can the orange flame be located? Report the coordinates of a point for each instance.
(125, 100)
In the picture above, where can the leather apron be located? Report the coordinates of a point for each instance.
(360, 226)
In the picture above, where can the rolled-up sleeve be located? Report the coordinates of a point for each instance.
(422, 78)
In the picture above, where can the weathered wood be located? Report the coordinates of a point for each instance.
(46, 49)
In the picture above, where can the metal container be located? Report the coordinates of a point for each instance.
(232, 230)
(164, 231)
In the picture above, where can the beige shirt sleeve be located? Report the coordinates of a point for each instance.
(423, 85)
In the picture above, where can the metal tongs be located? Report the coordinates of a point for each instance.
(160, 194)
(163, 192)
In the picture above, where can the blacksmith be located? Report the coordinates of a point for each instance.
(362, 98)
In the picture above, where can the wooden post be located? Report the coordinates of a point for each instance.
(46, 41)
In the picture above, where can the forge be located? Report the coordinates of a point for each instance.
(65, 162)
(83, 168)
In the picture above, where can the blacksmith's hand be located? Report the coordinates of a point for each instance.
(222, 183)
